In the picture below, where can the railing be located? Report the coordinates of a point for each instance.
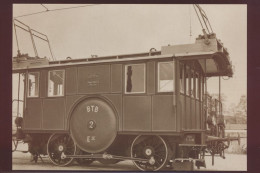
(14, 127)
(213, 108)
(16, 100)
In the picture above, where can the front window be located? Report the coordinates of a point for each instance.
(201, 88)
(33, 84)
(56, 83)
(197, 82)
(166, 77)
(192, 84)
(187, 81)
(135, 78)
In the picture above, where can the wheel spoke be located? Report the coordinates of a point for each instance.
(60, 140)
(157, 163)
(155, 147)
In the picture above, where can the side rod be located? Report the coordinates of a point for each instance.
(102, 156)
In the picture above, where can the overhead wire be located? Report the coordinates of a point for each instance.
(46, 10)
(45, 7)
(57, 9)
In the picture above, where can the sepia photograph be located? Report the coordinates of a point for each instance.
(129, 87)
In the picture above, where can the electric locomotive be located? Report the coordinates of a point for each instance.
(151, 107)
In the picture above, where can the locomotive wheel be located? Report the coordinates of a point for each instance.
(83, 161)
(58, 144)
(153, 148)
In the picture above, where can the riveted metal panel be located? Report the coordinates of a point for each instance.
(33, 114)
(93, 125)
(71, 81)
(151, 77)
(164, 117)
(116, 78)
(94, 79)
(53, 114)
(116, 101)
(137, 113)
(70, 101)
(43, 83)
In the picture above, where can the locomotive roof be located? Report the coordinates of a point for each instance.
(217, 59)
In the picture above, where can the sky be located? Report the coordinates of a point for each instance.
(109, 29)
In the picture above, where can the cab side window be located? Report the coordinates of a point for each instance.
(56, 83)
(33, 84)
(187, 80)
(166, 76)
(201, 87)
(193, 90)
(197, 82)
(135, 78)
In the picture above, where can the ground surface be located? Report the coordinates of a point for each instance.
(21, 161)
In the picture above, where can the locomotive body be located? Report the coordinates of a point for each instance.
(148, 107)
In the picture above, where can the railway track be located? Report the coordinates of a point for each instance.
(21, 161)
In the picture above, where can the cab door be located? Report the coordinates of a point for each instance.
(164, 108)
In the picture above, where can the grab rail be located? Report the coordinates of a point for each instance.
(17, 100)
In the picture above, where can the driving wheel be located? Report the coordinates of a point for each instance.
(153, 148)
(59, 144)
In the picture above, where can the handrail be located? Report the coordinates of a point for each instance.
(17, 100)
(211, 103)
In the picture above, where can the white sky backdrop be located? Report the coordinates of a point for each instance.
(121, 29)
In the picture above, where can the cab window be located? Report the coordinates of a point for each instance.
(56, 83)
(197, 82)
(135, 78)
(166, 76)
(192, 91)
(201, 87)
(33, 84)
(187, 80)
